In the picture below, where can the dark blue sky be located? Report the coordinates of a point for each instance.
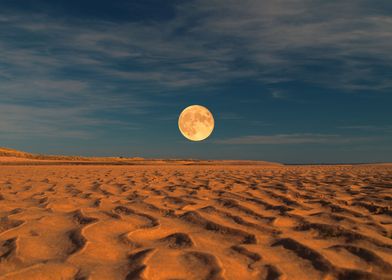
(291, 81)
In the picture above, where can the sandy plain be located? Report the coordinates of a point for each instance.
(196, 222)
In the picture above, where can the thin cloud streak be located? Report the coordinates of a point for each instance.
(283, 139)
(17, 121)
(370, 128)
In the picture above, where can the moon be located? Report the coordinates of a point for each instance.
(196, 123)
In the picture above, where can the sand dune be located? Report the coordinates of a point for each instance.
(195, 222)
(15, 157)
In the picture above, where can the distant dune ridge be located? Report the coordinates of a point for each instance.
(6, 152)
(10, 156)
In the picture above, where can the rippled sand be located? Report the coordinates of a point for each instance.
(195, 222)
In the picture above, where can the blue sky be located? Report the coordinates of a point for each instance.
(294, 81)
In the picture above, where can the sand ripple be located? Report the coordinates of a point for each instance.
(195, 222)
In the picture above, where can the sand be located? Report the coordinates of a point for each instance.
(196, 222)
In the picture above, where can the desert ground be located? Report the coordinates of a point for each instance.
(195, 222)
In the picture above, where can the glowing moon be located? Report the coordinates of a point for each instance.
(196, 123)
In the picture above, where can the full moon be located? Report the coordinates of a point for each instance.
(196, 123)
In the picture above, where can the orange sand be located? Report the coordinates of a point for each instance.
(195, 222)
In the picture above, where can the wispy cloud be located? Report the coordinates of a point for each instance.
(334, 44)
(278, 94)
(374, 128)
(26, 121)
(18, 121)
(338, 44)
(100, 65)
(229, 116)
(281, 139)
